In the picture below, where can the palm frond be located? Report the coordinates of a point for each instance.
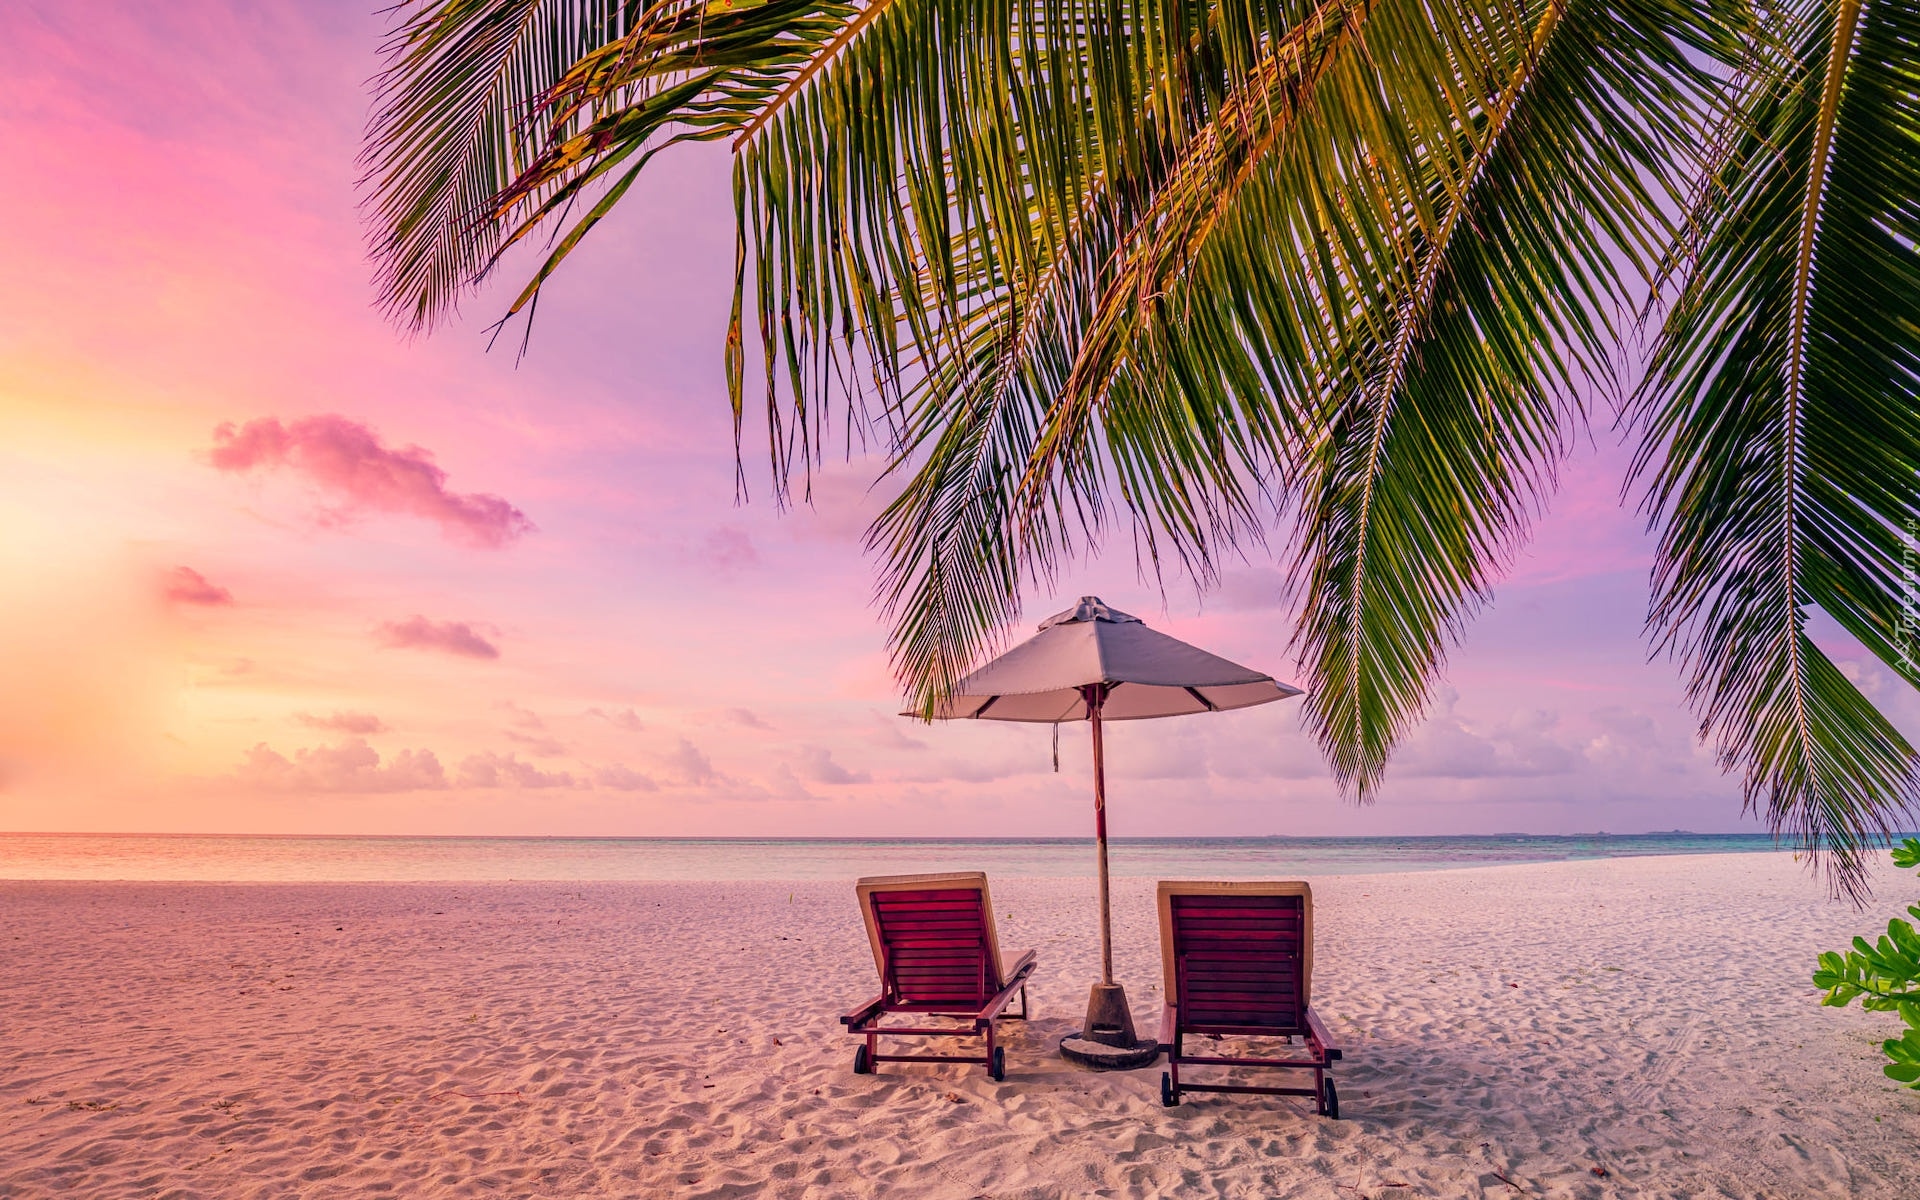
(944, 155)
(451, 130)
(986, 505)
(1450, 417)
(496, 118)
(1781, 422)
(1202, 321)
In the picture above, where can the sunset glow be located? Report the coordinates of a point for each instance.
(271, 566)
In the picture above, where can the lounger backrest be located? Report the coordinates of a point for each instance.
(1238, 956)
(933, 936)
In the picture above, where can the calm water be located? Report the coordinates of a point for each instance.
(312, 859)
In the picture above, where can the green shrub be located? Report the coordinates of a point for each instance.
(1884, 978)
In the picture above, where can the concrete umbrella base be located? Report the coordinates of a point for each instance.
(1106, 1041)
(1102, 1057)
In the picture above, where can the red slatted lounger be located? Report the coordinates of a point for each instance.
(935, 947)
(1238, 959)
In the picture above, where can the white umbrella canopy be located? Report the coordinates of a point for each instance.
(1145, 673)
(1097, 664)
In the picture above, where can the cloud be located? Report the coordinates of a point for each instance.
(724, 551)
(816, 765)
(887, 735)
(1176, 751)
(625, 719)
(184, 585)
(1282, 752)
(343, 722)
(451, 637)
(1446, 747)
(785, 785)
(352, 766)
(536, 743)
(346, 460)
(490, 770)
(1254, 589)
(1632, 742)
(624, 779)
(840, 502)
(982, 768)
(524, 718)
(746, 717)
(687, 763)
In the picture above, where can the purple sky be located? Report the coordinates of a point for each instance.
(270, 566)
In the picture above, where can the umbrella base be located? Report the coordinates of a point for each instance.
(1102, 1057)
(1107, 1040)
(1108, 1018)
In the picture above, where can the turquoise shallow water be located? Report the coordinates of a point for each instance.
(344, 859)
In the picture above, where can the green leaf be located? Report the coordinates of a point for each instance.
(448, 134)
(488, 109)
(1780, 417)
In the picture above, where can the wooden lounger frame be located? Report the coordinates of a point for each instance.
(1239, 962)
(938, 955)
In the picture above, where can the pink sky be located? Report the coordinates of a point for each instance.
(266, 565)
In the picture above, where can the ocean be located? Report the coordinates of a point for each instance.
(239, 858)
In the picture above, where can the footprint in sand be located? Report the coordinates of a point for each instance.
(1666, 1062)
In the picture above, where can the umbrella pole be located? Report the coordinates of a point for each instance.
(1109, 1024)
(1096, 697)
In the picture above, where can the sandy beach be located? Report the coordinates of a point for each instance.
(1507, 1030)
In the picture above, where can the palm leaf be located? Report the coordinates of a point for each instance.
(450, 131)
(495, 118)
(1449, 427)
(993, 495)
(1781, 421)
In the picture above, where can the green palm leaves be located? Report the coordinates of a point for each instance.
(1452, 417)
(1348, 271)
(495, 117)
(1781, 425)
(450, 132)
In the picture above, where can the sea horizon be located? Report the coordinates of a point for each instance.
(350, 858)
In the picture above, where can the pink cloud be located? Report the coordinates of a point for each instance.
(450, 637)
(817, 766)
(622, 778)
(187, 586)
(886, 734)
(492, 770)
(537, 744)
(625, 719)
(689, 764)
(353, 766)
(723, 551)
(343, 722)
(522, 717)
(1446, 746)
(345, 458)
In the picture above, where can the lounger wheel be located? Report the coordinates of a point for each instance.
(1330, 1102)
(1168, 1096)
(862, 1065)
(997, 1066)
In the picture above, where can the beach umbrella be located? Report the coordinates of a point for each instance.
(1096, 664)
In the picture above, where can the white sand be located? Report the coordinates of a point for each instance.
(680, 1039)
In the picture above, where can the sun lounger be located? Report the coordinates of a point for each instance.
(938, 956)
(1238, 959)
